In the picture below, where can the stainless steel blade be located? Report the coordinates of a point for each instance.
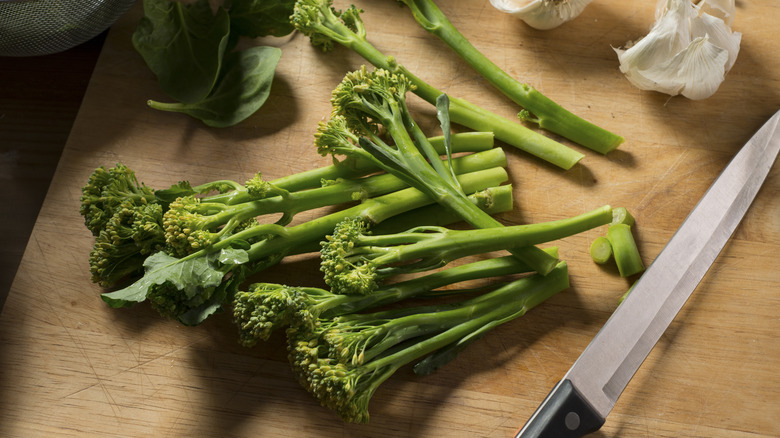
(610, 361)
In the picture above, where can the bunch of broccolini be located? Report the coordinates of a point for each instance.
(195, 245)
(342, 360)
(192, 251)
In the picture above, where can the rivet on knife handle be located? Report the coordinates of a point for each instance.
(563, 414)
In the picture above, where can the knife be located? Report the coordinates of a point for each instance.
(580, 402)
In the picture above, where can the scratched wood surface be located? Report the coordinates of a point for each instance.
(73, 367)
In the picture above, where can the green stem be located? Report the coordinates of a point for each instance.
(493, 200)
(503, 304)
(350, 168)
(465, 113)
(454, 244)
(601, 250)
(393, 293)
(546, 113)
(339, 193)
(624, 249)
(375, 210)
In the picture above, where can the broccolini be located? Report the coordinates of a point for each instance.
(342, 361)
(355, 262)
(265, 307)
(538, 108)
(366, 103)
(325, 26)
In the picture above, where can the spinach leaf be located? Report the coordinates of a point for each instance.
(183, 45)
(258, 18)
(242, 88)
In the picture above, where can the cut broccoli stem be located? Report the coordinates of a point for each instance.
(546, 113)
(318, 20)
(346, 359)
(624, 249)
(193, 223)
(601, 250)
(620, 215)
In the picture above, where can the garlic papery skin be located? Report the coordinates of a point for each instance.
(723, 9)
(687, 52)
(542, 14)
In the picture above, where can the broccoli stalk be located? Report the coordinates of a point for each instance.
(191, 288)
(129, 219)
(538, 108)
(365, 102)
(342, 361)
(356, 262)
(231, 192)
(265, 307)
(192, 223)
(326, 26)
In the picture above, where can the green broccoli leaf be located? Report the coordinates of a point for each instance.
(258, 18)
(241, 90)
(183, 45)
(189, 275)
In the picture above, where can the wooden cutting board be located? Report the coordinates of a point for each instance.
(73, 367)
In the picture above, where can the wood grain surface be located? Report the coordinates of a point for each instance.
(70, 366)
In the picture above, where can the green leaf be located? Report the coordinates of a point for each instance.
(443, 114)
(241, 90)
(258, 18)
(183, 45)
(189, 275)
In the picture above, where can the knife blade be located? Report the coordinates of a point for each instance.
(580, 402)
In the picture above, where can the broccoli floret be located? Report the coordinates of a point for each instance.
(110, 190)
(539, 109)
(126, 219)
(343, 360)
(325, 25)
(263, 307)
(356, 262)
(130, 235)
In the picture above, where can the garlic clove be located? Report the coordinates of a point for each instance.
(542, 14)
(695, 72)
(668, 36)
(719, 33)
(685, 52)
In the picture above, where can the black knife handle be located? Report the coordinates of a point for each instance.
(563, 414)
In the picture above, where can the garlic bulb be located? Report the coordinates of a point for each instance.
(542, 14)
(688, 51)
